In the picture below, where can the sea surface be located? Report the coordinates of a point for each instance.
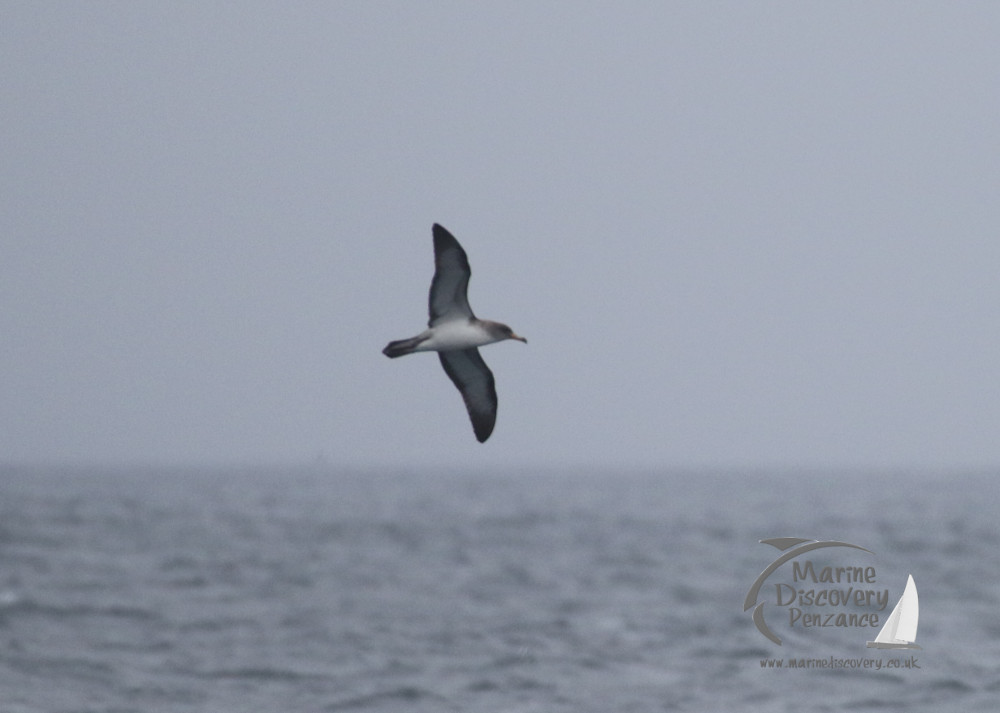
(315, 589)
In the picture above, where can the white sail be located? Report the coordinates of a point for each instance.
(900, 631)
(909, 612)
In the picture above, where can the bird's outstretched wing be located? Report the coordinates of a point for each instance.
(469, 373)
(451, 279)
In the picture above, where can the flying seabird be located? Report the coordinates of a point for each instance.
(455, 333)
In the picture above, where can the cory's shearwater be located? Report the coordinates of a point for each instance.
(455, 333)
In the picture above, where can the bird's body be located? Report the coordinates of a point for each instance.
(449, 336)
(455, 333)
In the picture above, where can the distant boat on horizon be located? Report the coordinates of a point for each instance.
(900, 631)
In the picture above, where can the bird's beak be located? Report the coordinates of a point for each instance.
(520, 339)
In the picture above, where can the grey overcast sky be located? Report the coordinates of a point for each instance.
(735, 234)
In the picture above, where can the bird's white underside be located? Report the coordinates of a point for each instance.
(455, 335)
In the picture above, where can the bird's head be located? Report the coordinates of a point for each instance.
(508, 333)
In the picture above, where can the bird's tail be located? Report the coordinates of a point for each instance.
(401, 347)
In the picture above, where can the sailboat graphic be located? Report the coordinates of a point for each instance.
(900, 631)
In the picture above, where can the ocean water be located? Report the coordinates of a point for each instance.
(320, 590)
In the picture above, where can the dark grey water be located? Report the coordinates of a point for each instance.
(326, 591)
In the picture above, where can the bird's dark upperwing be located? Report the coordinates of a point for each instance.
(474, 379)
(451, 279)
